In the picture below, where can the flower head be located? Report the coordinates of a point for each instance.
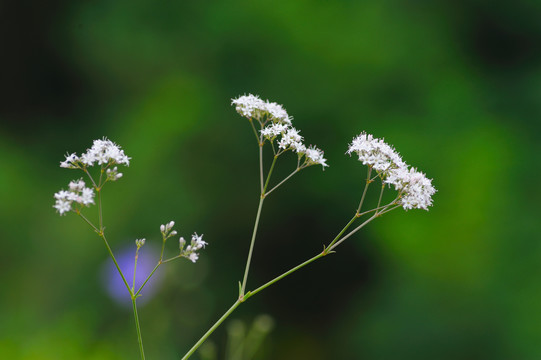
(78, 193)
(314, 156)
(70, 162)
(196, 244)
(375, 153)
(252, 107)
(414, 187)
(415, 190)
(104, 151)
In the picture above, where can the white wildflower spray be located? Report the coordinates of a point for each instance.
(276, 128)
(412, 189)
(415, 190)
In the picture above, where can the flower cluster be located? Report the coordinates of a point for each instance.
(414, 188)
(375, 153)
(196, 244)
(78, 192)
(252, 106)
(189, 252)
(102, 152)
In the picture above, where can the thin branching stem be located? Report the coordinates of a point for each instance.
(135, 269)
(211, 330)
(353, 232)
(368, 181)
(337, 237)
(381, 193)
(102, 235)
(252, 242)
(255, 131)
(138, 328)
(148, 278)
(87, 221)
(283, 181)
(261, 165)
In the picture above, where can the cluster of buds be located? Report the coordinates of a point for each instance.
(78, 193)
(113, 174)
(139, 243)
(196, 244)
(167, 231)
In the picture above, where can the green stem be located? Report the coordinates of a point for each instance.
(261, 165)
(171, 259)
(331, 247)
(342, 232)
(256, 225)
(102, 235)
(385, 211)
(148, 278)
(283, 181)
(381, 193)
(134, 269)
(269, 175)
(87, 221)
(139, 338)
(163, 247)
(278, 278)
(211, 330)
(368, 181)
(255, 131)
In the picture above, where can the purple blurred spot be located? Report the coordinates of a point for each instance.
(148, 258)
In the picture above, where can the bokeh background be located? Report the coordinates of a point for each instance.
(454, 85)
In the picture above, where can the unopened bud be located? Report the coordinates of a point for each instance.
(181, 242)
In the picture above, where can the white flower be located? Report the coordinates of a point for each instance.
(414, 187)
(298, 147)
(289, 138)
(87, 196)
(252, 107)
(273, 130)
(197, 241)
(375, 153)
(70, 162)
(277, 113)
(78, 192)
(103, 152)
(415, 190)
(314, 156)
(62, 206)
(77, 185)
(193, 257)
(196, 244)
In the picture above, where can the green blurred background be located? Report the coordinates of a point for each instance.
(454, 85)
